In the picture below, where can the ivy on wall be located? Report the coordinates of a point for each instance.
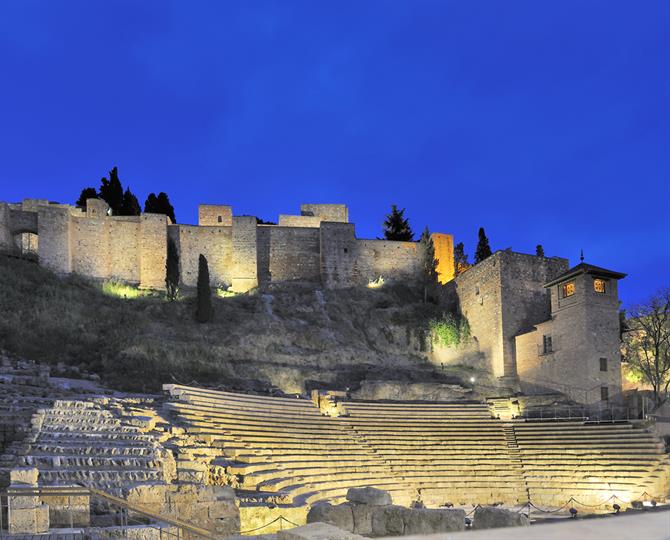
(449, 330)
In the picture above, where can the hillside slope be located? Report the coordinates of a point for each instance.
(293, 337)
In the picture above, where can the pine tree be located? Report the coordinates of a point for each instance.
(461, 263)
(159, 205)
(428, 263)
(204, 311)
(129, 205)
(172, 271)
(86, 193)
(396, 227)
(483, 249)
(539, 250)
(112, 192)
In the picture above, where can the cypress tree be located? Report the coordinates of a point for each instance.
(112, 192)
(204, 311)
(539, 250)
(483, 249)
(172, 271)
(461, 263)
(428, 263)
(129, 204)
(86, 193)
(396, 226)
(159, 205)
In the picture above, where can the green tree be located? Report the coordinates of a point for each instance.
(428, 263)
(172, 270)
(129, 205)
(539, 250)
(483, 249)
(461, 263)
(205, 310)
(111, 191)
(396, 226)
(159, 205)
(86, 193)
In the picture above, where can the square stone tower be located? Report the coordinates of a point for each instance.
(577, 350)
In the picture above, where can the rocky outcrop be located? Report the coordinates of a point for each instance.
(490, 517)
(370, 513)
(410, 391)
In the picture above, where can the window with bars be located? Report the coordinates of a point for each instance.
(568, 289)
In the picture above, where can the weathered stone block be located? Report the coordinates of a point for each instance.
(369, 495)
(29, 520)
(24, 475)
(430, 521)
(490, 517)
(340, 516)
(362, 514)
(317, 531)
(388, 520)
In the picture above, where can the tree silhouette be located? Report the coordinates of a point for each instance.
(111, 191)
(428, 263)
(159, 205)
(172, 270)
(129, 204)
(396, 227)
(461, 263)
(483, 249)
(539, 250)
(204, 311)
(86, 193)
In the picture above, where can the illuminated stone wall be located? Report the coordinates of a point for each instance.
(504, 296)
(444, 255)
(319, 245)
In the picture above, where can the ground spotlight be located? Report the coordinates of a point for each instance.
(468, 523)
(573, 512)
(617, 508)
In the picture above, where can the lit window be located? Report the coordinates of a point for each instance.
(604, 393)
(599, 286)
(220, 219)
(546, 344)
(603, 364)
(568, 289)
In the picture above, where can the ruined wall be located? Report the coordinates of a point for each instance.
(245, 254)
(215, 215)
(396, 260)
(328, 212)
(288, 253)
(215, 243)
(6, 238)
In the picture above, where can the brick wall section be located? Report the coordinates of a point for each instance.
(55, 243)
(328, 212)
(397, 260)
(525, 301)
(288, 253)
(245, 252)
(338, 254)
(215, 215)
(215, 243)
(153, 250)
(299, 221)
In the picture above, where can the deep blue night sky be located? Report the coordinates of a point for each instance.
(544, 122)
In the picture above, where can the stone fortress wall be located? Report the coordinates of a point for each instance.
(318, 245)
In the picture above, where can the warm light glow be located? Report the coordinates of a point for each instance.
(472, 380)
(376, 283)
(444, 255)
(568, 289)
(121, 290)
(599, 286)
(225, 292)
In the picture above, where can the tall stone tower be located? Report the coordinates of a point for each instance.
(577, 350)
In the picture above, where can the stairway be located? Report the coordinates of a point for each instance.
(515, 458)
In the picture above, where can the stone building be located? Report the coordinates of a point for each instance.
(544, 326)
(319, 245)
(576, 350)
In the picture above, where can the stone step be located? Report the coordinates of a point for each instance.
(39, 450)
(102, 462)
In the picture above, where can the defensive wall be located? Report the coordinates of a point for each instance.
(318, 245)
